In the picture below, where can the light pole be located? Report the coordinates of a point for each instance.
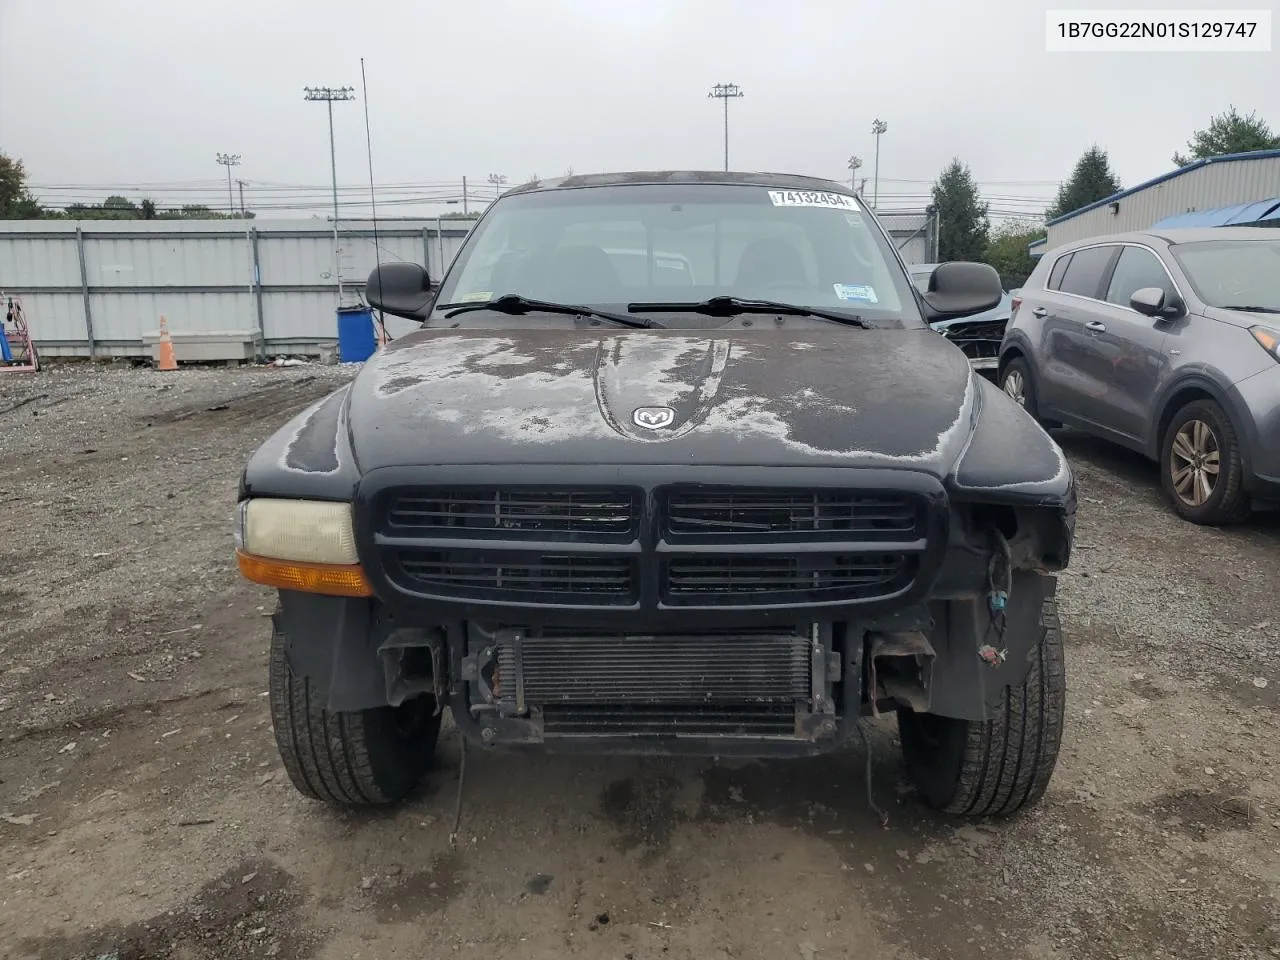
(328, 95)
(229, 160)
(726, 92)
(854, 164)
(497, 179)
(877, 127)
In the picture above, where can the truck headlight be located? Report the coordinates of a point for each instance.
(306, 545)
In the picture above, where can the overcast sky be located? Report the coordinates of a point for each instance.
(145, 92)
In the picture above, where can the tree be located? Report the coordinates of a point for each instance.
(1007, 252)
(962, 219)
(148, 209)
(1229, 132)
(1091, 180)
(15, 202)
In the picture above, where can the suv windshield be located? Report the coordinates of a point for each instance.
(1233, 273)
(611, 246)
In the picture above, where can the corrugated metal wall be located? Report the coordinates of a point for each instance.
(199, 275)
(1216, 184)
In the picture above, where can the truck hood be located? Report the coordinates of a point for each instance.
(844, 397)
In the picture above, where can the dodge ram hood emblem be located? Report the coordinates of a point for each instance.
(653, 418)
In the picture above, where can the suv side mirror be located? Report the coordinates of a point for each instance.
(961, 288)
(400, 289)
(1151, 302)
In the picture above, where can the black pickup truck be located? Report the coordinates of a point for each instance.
(728, 509)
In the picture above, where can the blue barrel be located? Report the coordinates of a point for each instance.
(356, 340)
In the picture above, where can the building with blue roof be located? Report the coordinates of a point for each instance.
(1231, 190)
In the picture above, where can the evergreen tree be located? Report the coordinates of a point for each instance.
(1229, 133)
(1091, 180)
(962, 218)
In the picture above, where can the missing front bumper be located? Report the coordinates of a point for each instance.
(746, 691)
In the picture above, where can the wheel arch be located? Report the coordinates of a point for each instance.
(1014, 351)
(1189, 390)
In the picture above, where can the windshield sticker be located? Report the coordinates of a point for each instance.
(862, 292)
(481, 297)
(812, 198)
(853, 219)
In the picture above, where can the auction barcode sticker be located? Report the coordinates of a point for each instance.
(1158, 31)
(812, 198)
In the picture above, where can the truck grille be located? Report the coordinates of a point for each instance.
(479, 574)
(610, 546)
(512, 511)
(728, 512)
(783, 579)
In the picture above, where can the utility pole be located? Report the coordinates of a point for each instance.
(497, 180)
(877, 128)
(328, 95)
(854, 164)
(229, 160)
(464, 196)
(726, 92)
(241, 184)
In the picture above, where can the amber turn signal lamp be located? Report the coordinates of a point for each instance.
(335, 580)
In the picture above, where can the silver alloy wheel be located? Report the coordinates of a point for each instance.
(1013, 386)
(1195, 462)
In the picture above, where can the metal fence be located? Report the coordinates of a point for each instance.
(98, 287)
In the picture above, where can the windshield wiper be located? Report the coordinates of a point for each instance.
(1251, 309)
(513, 303)
(732, 306)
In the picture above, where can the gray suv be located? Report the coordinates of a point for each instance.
(1166, 342)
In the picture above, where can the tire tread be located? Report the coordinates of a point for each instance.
(346, 758)
(1006, 763)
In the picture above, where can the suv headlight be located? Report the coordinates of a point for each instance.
(1268, 339)
(306, 545)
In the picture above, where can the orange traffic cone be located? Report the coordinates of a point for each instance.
(165, 348)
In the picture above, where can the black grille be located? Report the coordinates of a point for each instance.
(784, 579)
(550, 577)
(727, 512)
(612, 721)
(498, 512)
(979, 341)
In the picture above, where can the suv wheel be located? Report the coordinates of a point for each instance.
(355, 758)
(1015, 381)
(1201, 467)
(994, 767)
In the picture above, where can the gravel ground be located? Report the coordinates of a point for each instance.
(144, 813)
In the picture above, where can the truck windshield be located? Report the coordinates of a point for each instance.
(611, 246)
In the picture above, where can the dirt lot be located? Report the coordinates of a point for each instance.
(144, 813)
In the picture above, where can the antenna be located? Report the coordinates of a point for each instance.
(373, 200)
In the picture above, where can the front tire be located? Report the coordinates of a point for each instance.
(354, 758)
(1201, 465)
(994, 768)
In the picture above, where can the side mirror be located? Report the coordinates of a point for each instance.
(400, 289)
(961, 288)
(1151, 302)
